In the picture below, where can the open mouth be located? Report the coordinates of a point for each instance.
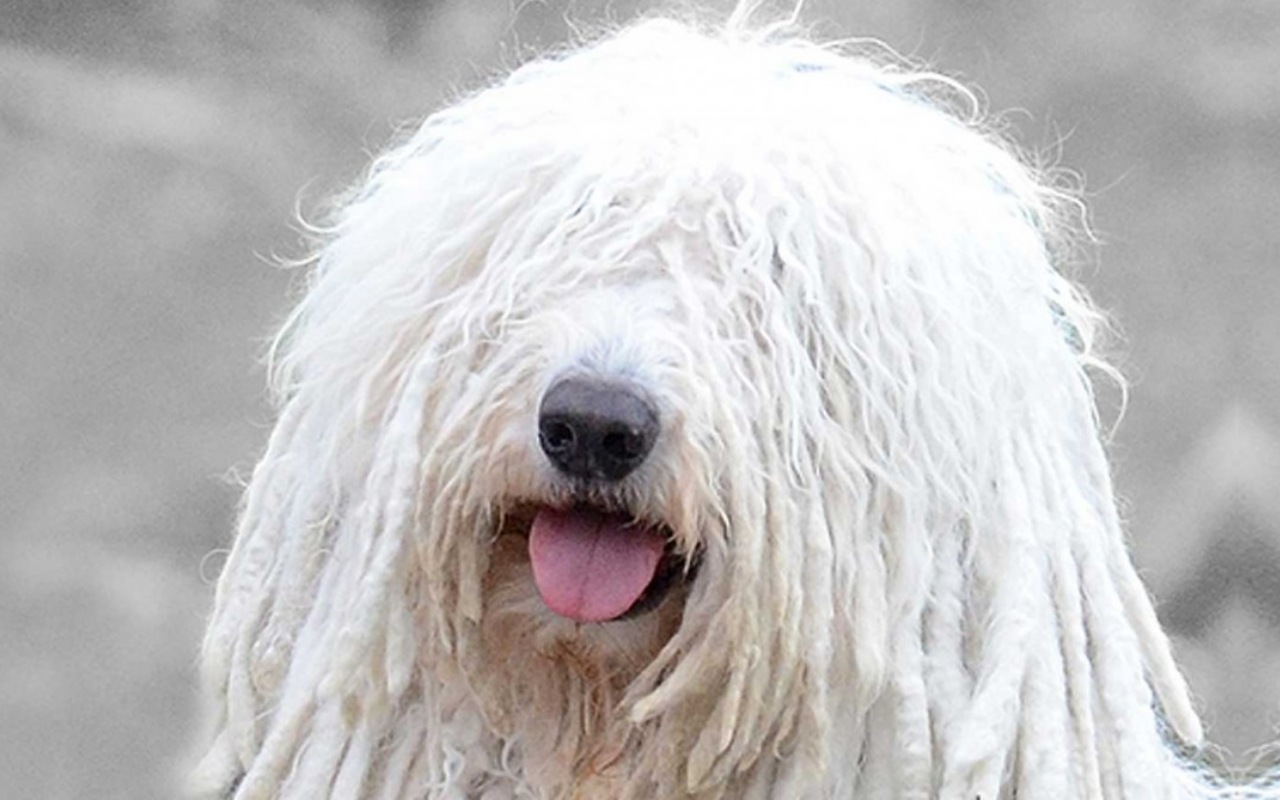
(593, 565)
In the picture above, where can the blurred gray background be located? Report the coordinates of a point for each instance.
(152, 156)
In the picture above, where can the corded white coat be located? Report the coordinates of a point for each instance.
(879, 447)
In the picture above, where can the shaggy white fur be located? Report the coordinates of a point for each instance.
(899, 571)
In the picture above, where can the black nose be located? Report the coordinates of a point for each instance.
(596, 429)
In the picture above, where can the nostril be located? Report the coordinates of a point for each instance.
(557, 436)
(625, 445)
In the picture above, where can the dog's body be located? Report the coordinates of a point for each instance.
(752, 362)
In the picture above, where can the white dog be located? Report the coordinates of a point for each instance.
(694, 415)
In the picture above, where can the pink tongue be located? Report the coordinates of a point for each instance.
(589, 566)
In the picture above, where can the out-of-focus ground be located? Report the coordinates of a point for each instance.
(152, 155)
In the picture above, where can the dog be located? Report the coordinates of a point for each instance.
(700, 413)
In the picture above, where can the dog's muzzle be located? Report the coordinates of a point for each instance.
(593, 560)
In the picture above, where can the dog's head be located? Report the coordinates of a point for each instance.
(697, 410)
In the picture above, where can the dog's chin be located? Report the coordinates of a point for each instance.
(513, 603)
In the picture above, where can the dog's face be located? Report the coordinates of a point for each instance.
(686, 369)
(696, 390)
